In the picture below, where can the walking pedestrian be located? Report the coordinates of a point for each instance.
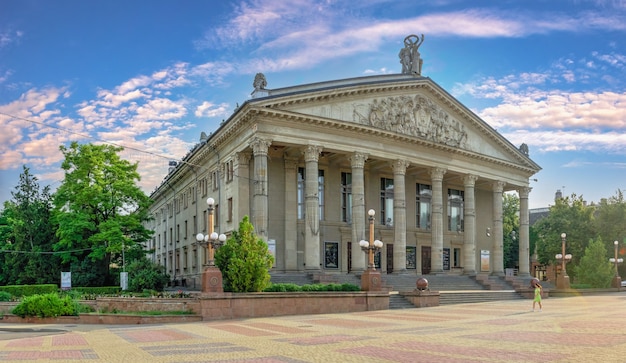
(537, 299)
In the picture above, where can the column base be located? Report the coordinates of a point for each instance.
(371, 281)
(212, 280)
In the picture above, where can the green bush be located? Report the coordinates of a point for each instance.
(5, 296)
(289, 287)
(47, 305)
(146, 275)
(27, 290)
(245, 260)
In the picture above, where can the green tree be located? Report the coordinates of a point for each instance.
(27, 228)
(611, 224)
(145, 275)
(569, 215)
(99, 210)
(594, 268)
(510, 230)
(245, 260)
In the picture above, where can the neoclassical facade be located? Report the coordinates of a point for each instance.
(307, 162)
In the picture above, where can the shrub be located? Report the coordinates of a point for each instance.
(146, 275)
(47, 305)
(5, 296)
(245, 260)
(288, 287)
(27, 290)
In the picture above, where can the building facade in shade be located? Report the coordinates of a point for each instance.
(307, 162)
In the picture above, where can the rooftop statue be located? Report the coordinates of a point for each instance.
(410, 56)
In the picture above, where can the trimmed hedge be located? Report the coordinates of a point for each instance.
(27, 290)
(101, 290)
(289, 287)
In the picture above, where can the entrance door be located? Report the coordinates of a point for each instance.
(425, 260)
(389, 258)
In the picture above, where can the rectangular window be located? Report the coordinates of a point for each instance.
(455, 210)
(186, 230)
(331, 255)
(346, 197)
(230, 210)
(320, 194)
(423, 198)
(411, 257)
(215, 179)
(386, 202)
(301, 192)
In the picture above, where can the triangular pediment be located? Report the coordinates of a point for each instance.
(412, 107)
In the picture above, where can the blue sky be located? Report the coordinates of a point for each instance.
(152, 75)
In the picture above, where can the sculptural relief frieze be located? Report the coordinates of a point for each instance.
(414, 116)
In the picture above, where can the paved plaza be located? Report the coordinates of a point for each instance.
(572, 329)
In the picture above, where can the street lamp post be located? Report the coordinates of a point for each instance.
(211, 276)
(562, 280)
(617, 280)
(370, 279)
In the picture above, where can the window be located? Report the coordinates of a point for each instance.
(457, 257)
(186, 230)
(346, 197)
(423, 198)
(177, 233)
(386, 202)
(230, 210)
(215, 179)
(455, 210)
(204, 186)
(229, 168)
(302, 196)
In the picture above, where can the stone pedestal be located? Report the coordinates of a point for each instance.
(562, 282)
(371, 280)
(617, 282)
(422, 299)
(212, 280)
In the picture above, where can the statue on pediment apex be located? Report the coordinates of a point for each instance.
(410, 56)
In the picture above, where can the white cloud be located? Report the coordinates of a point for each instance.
(209, 109)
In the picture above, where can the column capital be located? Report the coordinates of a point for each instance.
(243, 157)
(469, 180)
(312, 153)
(524, 191)
(260, 145)
(399, 166)
(498, 186)
(437, 173)
(357, 160)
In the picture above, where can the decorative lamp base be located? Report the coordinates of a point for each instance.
(371, 281)
(617, 282)
(562, 283)
(212, 280)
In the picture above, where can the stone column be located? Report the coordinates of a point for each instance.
(469, 245)
(291, 213)
(242, 195)
(399, 215)
(357, 161)
(312, 210)
(260, 213)
(524, 233)
(498, 237)
(436, 253)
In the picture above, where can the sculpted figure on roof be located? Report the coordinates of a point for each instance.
(410, 56)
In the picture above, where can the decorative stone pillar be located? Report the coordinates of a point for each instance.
(498, 237)
(312, 211)
(436, 253)
(357, 161)
(291, 214)
(469, 245)
(524, 233)
(260, 213)
(399, 215)
(242, 191)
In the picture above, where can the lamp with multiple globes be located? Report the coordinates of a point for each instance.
(211, 276)
(562, 280)
(617, 280)
(371, 279)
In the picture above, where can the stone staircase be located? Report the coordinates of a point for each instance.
(453, 289)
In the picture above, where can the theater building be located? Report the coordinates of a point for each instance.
(307, 162)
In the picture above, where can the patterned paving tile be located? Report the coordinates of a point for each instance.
(154, 335)
(242, 330)
(190, 349)
(69, 340)
(558, 338)
(49, 355)
(27, 342)
(324, 339)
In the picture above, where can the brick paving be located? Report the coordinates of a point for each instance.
(572, 329)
